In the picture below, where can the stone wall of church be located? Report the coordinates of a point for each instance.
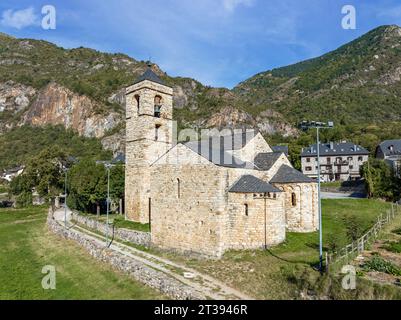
(257, 145)
(188, 204)
(302, 215)
(192, 210)
(254, 222)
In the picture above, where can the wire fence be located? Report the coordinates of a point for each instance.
(359, 245)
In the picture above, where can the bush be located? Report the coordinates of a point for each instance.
(353, 228)
(381, 265)
(397, 231)
(393, 247)
(24, 199)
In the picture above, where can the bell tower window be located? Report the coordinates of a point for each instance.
(158, 106)
(137, 98)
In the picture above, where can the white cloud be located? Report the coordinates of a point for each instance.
(19, 19)
(231, 5)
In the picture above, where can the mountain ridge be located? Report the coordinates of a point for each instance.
(83, 89)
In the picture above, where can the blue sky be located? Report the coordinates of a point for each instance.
(218, 42)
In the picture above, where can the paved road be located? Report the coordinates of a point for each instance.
(341, 195)
(59, 214)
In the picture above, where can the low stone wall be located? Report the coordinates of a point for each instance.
(135, 269)
(132, 236)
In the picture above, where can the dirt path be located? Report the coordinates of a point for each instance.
(203, 283)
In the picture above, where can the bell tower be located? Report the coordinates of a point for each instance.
(149, 135)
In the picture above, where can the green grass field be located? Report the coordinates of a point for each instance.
(27, 246)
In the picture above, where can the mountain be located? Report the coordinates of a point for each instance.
(357, 83)
(83, 89)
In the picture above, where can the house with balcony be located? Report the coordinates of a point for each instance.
(390, 152)
(338, 161)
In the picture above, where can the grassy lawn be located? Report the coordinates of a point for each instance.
(120, 222)
(27, 246)
(280, 272)
(334, 184)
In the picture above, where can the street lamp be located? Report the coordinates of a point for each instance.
(305, 125)
(65, 197)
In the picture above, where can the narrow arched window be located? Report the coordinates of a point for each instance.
(137, 98)
(157, 106)
(157, 129)
(246, 209)
(293, 199)
(178, 188)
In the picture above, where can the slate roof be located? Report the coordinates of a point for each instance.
(264, 161)
(251, 184)
(341, 148)
(151, 76)
(385, 147)
(283, 149)
(286, 174)
(216, 155)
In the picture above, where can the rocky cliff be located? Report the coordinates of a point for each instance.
(55, 104)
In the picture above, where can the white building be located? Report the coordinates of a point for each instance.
(338, 161)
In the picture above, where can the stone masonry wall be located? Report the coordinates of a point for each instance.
(202, 216)
(257, 145)
(303, 217)
(252, 231)
(135, 269)
(132, 236)
(187, 205)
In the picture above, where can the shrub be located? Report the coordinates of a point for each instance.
(394, 247)
(381, 265)
(397, 231)
(24, 199)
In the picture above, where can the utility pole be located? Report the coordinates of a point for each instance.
(264, 196)
(305, 125)
(319, 202)
(108, 204)
(65, 198)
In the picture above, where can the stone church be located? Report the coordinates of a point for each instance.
(208, 195)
